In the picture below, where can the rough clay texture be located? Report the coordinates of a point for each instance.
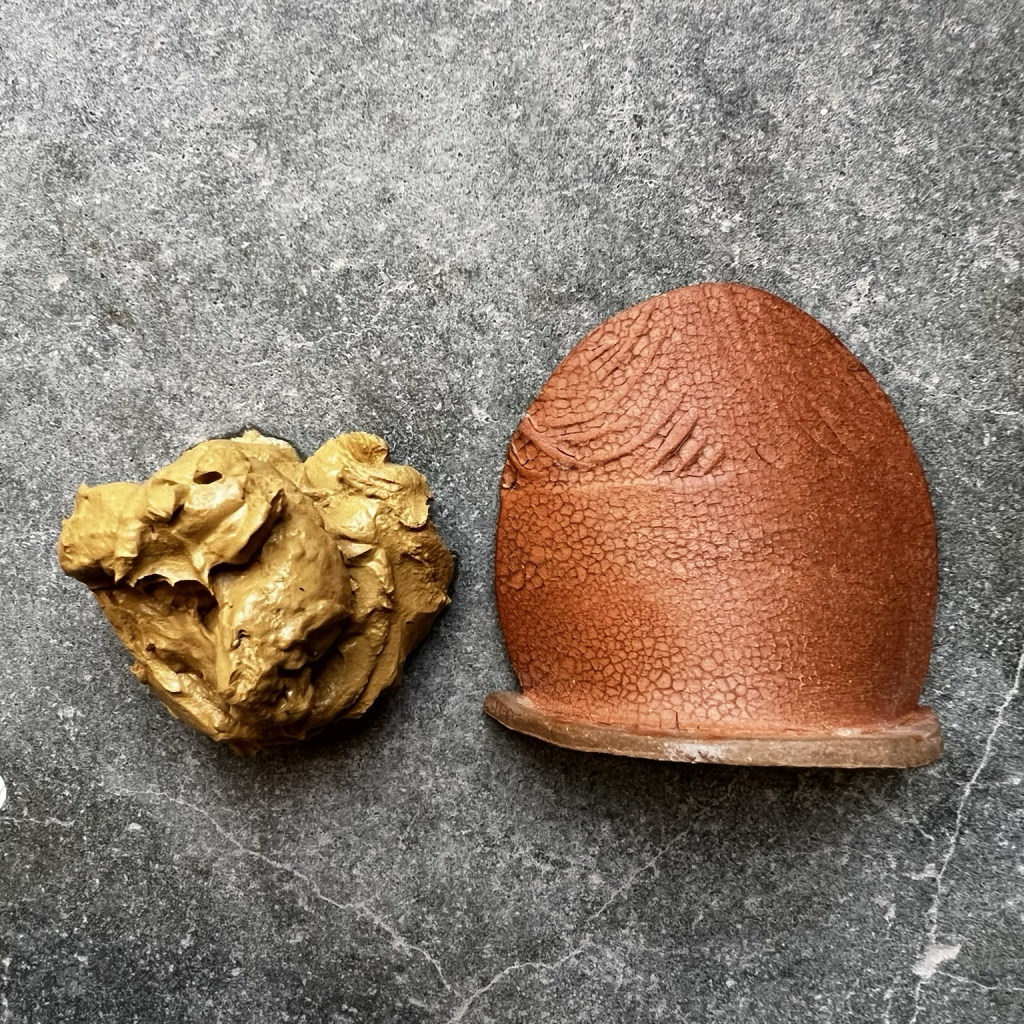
(314, 218)
(712, 517)
(263, 597)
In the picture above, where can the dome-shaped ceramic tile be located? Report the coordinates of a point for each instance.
(716, 543)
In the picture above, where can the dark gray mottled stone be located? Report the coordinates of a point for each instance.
(314, 217)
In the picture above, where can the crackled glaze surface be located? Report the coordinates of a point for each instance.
(712, 516)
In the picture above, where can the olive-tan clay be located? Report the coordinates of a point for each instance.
(261, 596)
(716, 543)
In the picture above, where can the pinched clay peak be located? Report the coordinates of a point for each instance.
(261, 596)
(713, 522)
(358, 464)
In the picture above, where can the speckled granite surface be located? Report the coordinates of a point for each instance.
(313, 217)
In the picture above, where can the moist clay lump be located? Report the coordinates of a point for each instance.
(261, 596)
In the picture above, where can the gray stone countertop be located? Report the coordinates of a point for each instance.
(314, 217)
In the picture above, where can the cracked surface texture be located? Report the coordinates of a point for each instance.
(315, 218)
(713, 519)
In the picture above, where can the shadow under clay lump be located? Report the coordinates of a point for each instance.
(716, 543)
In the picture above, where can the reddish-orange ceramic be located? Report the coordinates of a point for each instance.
(716, 543)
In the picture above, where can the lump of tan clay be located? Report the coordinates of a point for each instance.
(716, 543)
(262, 597)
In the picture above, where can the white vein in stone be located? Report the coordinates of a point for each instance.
(934, 952)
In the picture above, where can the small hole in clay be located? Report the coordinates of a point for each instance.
(210, 477)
